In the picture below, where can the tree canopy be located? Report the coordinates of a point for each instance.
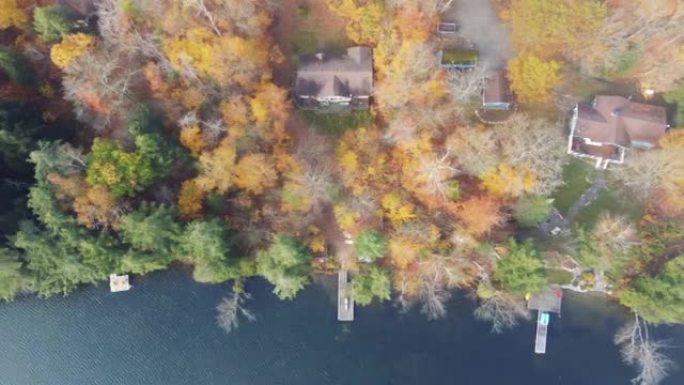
(16, 67)
(369, 284)
(371, 245)
(54, 22)
(660, 298)
(285, 264)
(207, 244)
(13, 278)
(12, 15)
(151, 228)
(533, 79)
(546, 29)
(521, 270)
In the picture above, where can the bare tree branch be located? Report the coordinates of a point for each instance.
(640, 351)
(231, 309)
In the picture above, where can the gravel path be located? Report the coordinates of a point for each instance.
(557, 224)
(588, 197)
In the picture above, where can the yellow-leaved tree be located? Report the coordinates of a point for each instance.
(228, 60)
(191, 137)
(397, 210)
(70, 48)
(509, 181)
(533, 79)
(363, 20)
(255, 172)
(547, 28)
(216, 168)
(11, 15)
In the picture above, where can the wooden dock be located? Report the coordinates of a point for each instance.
(542, 330)
(545, 302)
(345, 303)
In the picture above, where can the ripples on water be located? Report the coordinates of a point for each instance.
(163, 333)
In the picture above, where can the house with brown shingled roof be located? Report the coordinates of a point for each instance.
(611, 125)
(496, 91)
(326, 81)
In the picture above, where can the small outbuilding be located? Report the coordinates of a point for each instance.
(458, 59)
(496, 91)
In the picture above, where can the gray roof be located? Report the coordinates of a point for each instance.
(324, 75)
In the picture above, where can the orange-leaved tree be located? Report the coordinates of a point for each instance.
(190, 199)
(480, 214)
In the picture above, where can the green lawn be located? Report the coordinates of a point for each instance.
(611, 202)
(559, 277)
(335, 124)
(577, 176)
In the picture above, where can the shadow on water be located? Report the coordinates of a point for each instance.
(164, 332)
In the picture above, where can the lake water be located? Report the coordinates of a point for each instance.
(163, 333)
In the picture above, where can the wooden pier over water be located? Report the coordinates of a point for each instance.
(546, 302)
(542, 330)
(345, 302)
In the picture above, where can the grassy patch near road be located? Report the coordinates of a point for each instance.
(559, 277)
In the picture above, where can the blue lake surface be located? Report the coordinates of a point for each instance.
(163, 332)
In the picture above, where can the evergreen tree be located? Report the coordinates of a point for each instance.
(16, 67)
(207, 245)
(370, 245)
(660, 298)
(151, 228)
(52, 23)
(521, 272)
(285, 264)
(373, 283)
(13, 278)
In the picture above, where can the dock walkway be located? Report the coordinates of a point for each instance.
(540, 340)
(545, 302)
(345, 303)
